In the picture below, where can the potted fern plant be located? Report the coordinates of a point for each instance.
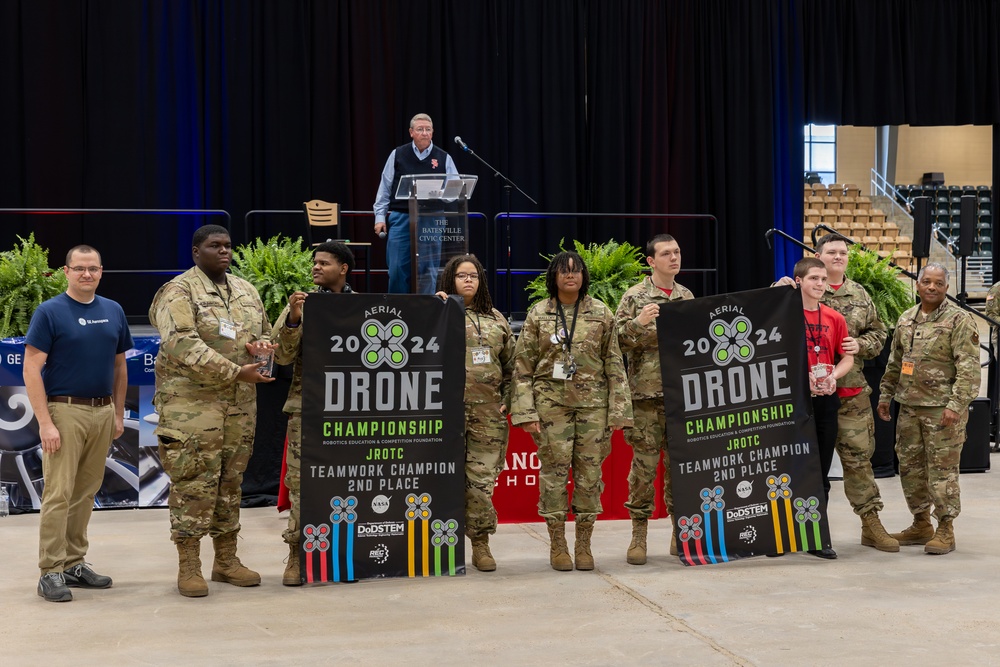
(613, 268)
(26, 280)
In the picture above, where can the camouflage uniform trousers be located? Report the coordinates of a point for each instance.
(928, 460)
(855, 446)
(485, 450)
(576, 437)
(648, 437)
(293, 477)
(205, 448)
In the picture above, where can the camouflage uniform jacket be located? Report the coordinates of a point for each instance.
(944, 347)
(599, 380)
(638, 343)
(195, 360)
(992, 309)
(863, 325)
(289, 350)
(489, 382)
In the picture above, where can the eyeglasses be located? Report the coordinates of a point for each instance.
(423, 130)
(86, 269)
(466, 276)
(571, 273)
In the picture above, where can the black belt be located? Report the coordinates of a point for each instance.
(98, 402)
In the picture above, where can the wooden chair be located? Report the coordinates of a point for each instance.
(859, 228)
(887, 243)
(816, 202)
(852, 190)
(842, 227)
(904, 244)
(870, 242)
(320, 213)
(837, 189)
(845, 215)
(861, 217)
(864, 203)
(828, 216)
(890, 229)
(878, 216)
(812, 215)
(848, 202)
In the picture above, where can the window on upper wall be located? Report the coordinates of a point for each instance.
(821, 152)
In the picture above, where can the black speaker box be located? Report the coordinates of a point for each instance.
(967, 228)
(921, 226)
(976, 450)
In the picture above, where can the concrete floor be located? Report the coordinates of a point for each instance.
(866, 608)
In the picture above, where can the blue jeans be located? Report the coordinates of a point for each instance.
(398, 255)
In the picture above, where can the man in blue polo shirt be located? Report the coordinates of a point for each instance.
(420, 156)
(75, 374)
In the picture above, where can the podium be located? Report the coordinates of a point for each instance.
(439, 223)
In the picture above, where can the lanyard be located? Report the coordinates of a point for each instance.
(477, 325)
(816, 338)
(568, 340)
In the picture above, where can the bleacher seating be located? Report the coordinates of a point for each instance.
(946, 201)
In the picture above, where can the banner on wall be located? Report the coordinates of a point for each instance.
(133, 476)
(383, 448)
(743, 454)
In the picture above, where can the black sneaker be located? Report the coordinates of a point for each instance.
(53, 588)
(81, 576)
(827, 553)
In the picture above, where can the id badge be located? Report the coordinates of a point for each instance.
(227, 329)
(559, 371)
(480, 355)
(907, 368)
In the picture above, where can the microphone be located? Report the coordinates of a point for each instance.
(458, 140)
(381, 235)
(767, 236)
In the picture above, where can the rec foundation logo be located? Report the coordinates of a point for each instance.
(749, 535)
(380, 554)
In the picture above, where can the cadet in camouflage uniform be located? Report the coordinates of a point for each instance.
(211, 324)
(570, 391)
(992, 309)
(934, 375)
(856, 424)
(489, 362)
(635, 324)
(332, 262)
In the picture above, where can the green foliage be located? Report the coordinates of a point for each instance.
(613, 268)
(25, 282)
(276, 268)
(890, 294)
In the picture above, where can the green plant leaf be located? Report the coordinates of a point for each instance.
(26, 280)
(613, 268)
(892, 296)
(276, 267)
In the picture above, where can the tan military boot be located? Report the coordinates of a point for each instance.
(944, 539)
(190, 582)
(873, 534)
(919, 532)
(581, 547)
(637, 549)
(482, 559)
(559, 557)
(292, 575)
(227, 567)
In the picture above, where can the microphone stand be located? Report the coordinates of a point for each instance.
(507, 187)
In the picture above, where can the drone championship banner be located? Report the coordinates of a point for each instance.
(383, 449)
(743, 455)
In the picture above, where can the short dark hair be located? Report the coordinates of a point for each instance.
(803, 266)
(205, 231)
(829, 238)
(659, 238)
(482, 302)
(81, 248)
(338, 250)
(560, 263)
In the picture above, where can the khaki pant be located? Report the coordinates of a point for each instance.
(72, 475)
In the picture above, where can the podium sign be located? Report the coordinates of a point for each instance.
(439, 223)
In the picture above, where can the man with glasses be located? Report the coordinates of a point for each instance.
(420, 156)
(75, 375)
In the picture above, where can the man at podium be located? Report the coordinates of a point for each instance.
(420, 156)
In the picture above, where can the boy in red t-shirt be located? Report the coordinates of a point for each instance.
(826, 330)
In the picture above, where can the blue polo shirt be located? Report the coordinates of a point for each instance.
(81, 341)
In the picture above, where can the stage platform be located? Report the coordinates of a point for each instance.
(866, 608)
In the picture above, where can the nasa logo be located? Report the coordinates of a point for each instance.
(380, 504)
(744, 489)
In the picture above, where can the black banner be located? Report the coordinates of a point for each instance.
(383, 451)
(743, 454)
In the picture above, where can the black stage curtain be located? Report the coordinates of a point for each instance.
(686, 106)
